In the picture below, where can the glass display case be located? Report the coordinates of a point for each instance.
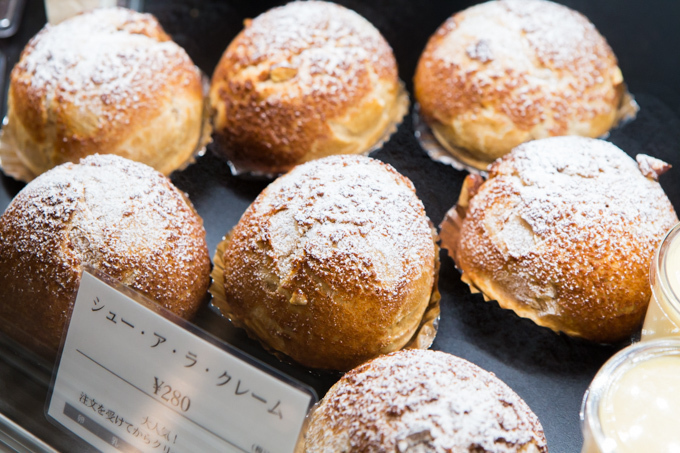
(550, 371)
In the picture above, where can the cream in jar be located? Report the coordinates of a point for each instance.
(633, 403)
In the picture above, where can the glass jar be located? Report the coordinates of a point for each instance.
(633, 402)
(663, 313)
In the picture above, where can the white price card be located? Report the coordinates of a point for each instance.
(130, 379)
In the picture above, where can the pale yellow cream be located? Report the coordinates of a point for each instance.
(640, 412)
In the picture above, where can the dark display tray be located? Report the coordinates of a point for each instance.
(550, 371)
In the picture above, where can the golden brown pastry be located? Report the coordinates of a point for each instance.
(120, 217)
(563, 232)
(109, 81)
(300, 82)
(505, 72)
(423, 401)
(333, 263)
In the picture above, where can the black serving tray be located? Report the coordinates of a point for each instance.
(550, 371)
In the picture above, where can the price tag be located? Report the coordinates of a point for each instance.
(132, 380)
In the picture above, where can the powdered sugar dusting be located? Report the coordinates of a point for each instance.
(594, 222)
(560, 36)
(591, 178)
(121, 217)
(326, 44)
(348, 212)
(516, 31)
(539, 60)
(333, 263)
(105, 61)
(423, 400)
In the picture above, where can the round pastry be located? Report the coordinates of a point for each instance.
(423, 401)
(120, 217)
(109, 81)
(563, 232)
(300, 82)
(505, 72)
(333, 263)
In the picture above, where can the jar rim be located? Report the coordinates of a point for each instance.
(611, 372)
(660, 269)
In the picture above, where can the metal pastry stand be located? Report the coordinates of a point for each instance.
(550, 371)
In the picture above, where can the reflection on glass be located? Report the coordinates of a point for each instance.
(663, 314)
(632, 404)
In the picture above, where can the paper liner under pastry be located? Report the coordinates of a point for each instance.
(452, 224)
(449, 233)
(449, 154)
(12, 164)
(422, 338)
(400, 110)
(436, 150)
(450, 228)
